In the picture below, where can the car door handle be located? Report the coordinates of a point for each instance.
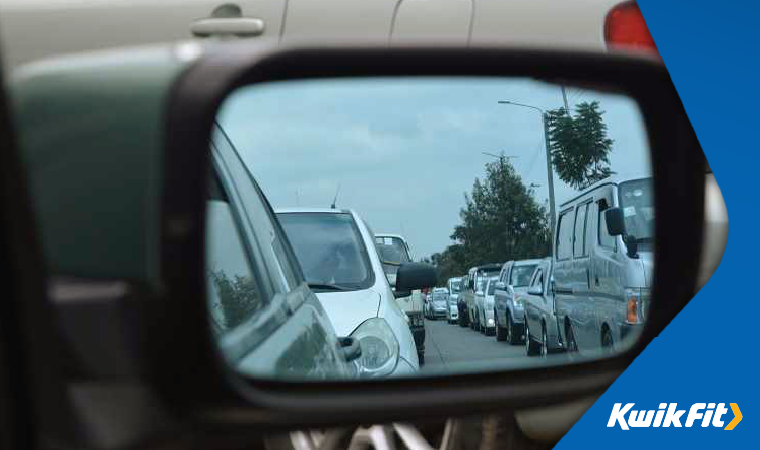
(228, 26)
(350, 347)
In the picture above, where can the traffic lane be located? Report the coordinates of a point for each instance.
(451, 348)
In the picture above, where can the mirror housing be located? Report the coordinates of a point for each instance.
(615, 221)
(536, 290)
(411, 276)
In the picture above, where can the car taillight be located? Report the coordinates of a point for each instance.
(625, 28)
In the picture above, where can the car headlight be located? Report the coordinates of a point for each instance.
(379, 346)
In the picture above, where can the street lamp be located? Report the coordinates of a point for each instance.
(550, 172)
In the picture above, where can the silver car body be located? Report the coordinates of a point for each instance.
(348, 310)
(484, 306)
(454, 287)
(595, 280)
(506, 303)
(539, 309)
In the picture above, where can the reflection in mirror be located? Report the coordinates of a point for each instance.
(532, 224)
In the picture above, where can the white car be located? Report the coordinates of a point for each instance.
(340, 263)
(454, 287)
(484, 311)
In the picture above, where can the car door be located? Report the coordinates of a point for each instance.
(607, 262)
(500, 298)
(284, 329)
(567, 304)
(34, 29)
(534, 303)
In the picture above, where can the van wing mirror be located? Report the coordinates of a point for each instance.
(536, 290)
(615, 221)
(411, 276)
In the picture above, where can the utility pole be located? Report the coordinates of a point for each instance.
(564, 97)
(550, 173)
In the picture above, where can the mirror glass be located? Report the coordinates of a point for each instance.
(324, 195)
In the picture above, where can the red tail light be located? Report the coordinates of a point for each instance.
(625, 28)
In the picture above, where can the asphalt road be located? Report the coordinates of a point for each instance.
(451, 348)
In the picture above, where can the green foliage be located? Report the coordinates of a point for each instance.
(501, 221)
(579, 145)
(238, 298)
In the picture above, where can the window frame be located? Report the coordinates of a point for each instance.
(584, 248)
(599, 227)
(570, 210)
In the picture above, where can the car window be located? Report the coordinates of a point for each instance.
(637, 201)
(257, 213)
(579, 249)
(233, 293)
(329, 248)
(521, 275)
(538, 278)
(565, 237)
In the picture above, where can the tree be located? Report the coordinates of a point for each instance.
(501, 221)
(579, 145)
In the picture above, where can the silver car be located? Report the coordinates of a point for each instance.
(603, 263)
(484, 307)
(508, 311)
(541, 325)
(337, 254)
(455, 287)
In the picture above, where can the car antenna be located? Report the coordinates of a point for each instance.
(335, 199)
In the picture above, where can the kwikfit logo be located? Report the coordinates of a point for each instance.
(668, 415)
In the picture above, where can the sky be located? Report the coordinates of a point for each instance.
(403, 151)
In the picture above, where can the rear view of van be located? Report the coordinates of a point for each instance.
(603, 263)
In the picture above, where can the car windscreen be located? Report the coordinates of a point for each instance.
(392, 250)
(439, 296)
(637, 202)
(521, 275)
(455, 286)
(329, 248)
(492, 286)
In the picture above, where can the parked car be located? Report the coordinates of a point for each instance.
(484, 309)
(476, 277)
(340, 262)
(455, 286)
(513, 279)
(542, 335)
(603, 263)
(394, 250)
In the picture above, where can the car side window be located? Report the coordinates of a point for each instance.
(579, 249)
(234, 294)
(565, 236)
(271, 240)
(538, 278)
(604, 237)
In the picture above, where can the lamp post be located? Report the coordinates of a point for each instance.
(549, 170)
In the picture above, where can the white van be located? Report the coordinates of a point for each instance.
(394, 248)
(603, 262)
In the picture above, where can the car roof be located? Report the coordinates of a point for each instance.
(390, 235)
(609, 181)
(312, 210)
(525, 262)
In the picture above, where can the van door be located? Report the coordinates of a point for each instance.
(607, 266)
(567, 307)
(581, 280)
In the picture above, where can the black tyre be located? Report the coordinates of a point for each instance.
(544, 342)
(531, 347)
(501, 333)
(512, 337)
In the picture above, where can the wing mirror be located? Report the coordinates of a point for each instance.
(536, 290)
(411, 276)
(501, 286)
(616, 227)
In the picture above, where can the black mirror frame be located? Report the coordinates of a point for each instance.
(230, 401)
(615, 221)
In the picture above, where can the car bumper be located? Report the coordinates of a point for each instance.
(439, 312)
(518, 314)
(404, 368)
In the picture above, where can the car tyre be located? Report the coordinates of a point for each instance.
(531, 347)
(512, 337)
(544, 341)
(501, 333)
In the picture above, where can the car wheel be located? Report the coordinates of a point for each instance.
(544, 342)
(531, 347)
(512, 337)
(501, 333)
(608, 344)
